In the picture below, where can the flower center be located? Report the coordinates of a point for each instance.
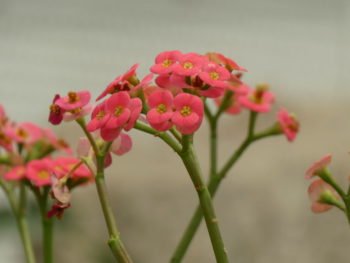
(214, 75)
(185, 111)
(43, 174)
(54, 108)
(62, 143)
(293, 126)
(187, 65)
(20, 172)
(161, 108)
(118, 111)
(22, 133)
(100, 115)
(167, 62)
(76, 111)
(73, 97)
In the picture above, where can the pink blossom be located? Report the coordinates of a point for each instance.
(135, 106)
(40, 171)
(143, 84)
(161, 112)
(121, 83)
(237, 86)
(174, 83)
(319, 166)
(288, 124)
(74, 100)
(190, 64)
(234, 107)
(189, 113)
(25, 132)
(211, 92)
(5, 138)
(16, 173)
(122, 144)
(258, 100)
(56, 142)
(215, 75)
(110, 134)
(64, 165)
(99, 117)
(77, 113)
(165, 62)
(117, 107)
(318, 188)
(221, 59)
(56, 112)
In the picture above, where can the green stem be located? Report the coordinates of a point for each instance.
(81, 122)
(190, 161)
(22, 224)
(115, 243)
(163, 135)
(47, 226)
(214, 183)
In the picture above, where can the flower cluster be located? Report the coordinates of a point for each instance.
(181, 83)
(31, 160)
(322, 191)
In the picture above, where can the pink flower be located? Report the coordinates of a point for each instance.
(60, 191)
(135, 106)
(234, 107)
(121, 83)
(237, 86)
(145, 82)
(165, 62)
(25, 132)
(56, 112)
(215, 75)
(40, 171)
(55, 142)
(161, 112)
(227, 62)
(5, 138)
(122, 144)
(16, 173)
(288, 124)
(174, 83)
(189, 113)
(74, 100)
(258, 100)
(110, 134)
(99, 117)
(77, 113)
(319, 166)
(189, 64)
(117, 107)
(317, 190)
(64, 165)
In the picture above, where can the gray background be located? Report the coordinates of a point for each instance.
(301, 48)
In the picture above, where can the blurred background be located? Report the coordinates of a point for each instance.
(301, 48)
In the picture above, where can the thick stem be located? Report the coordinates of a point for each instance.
(22, 224)
(215, 181)
(115, 243)
(47, 227)
(190, 161)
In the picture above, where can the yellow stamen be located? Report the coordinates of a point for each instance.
(214, 75)
(167, 62)
(187, 65)
(118, 111)
(54, 108)
(43, 174)
(185, 111)
(161, 108)
(100, 115)
(22, 133)
(73, 97)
